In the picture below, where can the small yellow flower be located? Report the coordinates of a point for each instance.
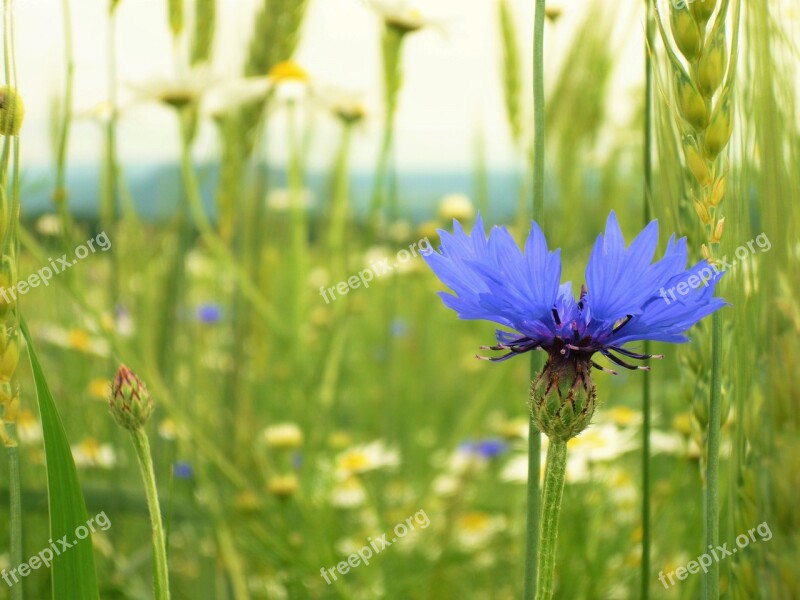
(49, 225)
(683, 423)
(456, 206)
(283, 486)
(514, 429)
(246, 501)
(78, 339)
(428, 229)
(622, 415)
(99, 388)
(283, 436)
(167, 429)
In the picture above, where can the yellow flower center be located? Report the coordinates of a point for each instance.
(79, 340)
(286, 71)
(354, 462)
(474, 521)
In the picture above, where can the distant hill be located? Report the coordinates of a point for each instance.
(156, 190)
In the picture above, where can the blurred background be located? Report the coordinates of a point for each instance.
(252, 162)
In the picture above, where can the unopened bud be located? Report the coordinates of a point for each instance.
(12, 111)
(130, 402)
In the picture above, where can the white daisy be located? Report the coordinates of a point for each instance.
(90, 453)
(369, 457)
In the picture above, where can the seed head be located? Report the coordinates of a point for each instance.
(12, 111)
(686, 32)
(695, 161)
(690, 101)
(9, 353)
(702, 10)
(712, 64)
(720, 129)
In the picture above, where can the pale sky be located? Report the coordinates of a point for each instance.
(452, 79)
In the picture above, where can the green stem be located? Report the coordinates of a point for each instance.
(339, 206)
(161, 572)
(299, 237)
(537, 191)
(15, 508)
(711, 587)
(554, 474)
(532, 539)
(538, 112)
(392, 51)
(109, 176)
(249, 289)
(60, 193)
(646, 404)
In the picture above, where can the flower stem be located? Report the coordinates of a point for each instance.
(538, 111)
(647, 156)
(392, 44)
(711, 588)
(215, 244)
(161, 572)
(537, 191)
(299, 239)
(65, 118)
(531, 538)
(555, 471)
(339, 206)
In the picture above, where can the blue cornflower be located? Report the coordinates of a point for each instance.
(183, 470)
(487, 448)
(623, 300)
(209, 313)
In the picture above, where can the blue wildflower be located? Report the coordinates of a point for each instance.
(183, 470)
(490, 448)
(209, 313)
(623, 300)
